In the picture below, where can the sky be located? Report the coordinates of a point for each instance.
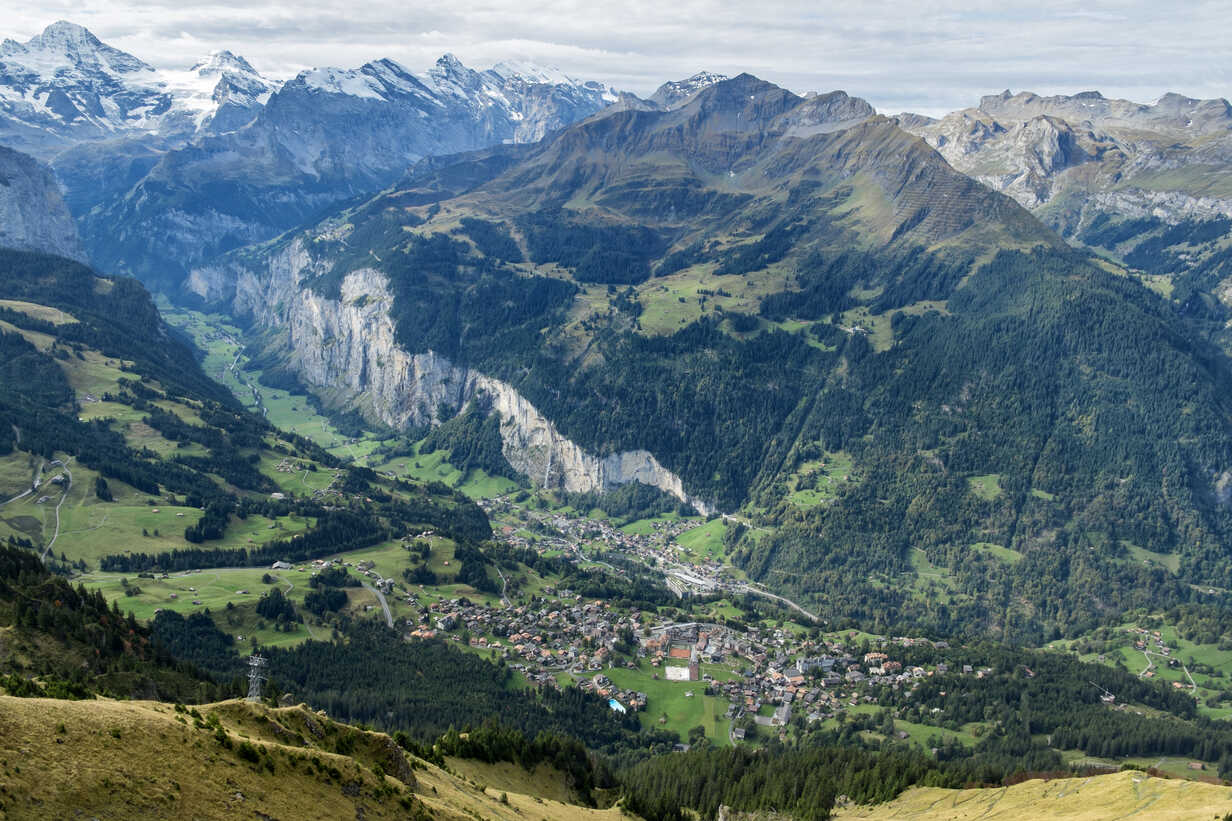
(929, 56)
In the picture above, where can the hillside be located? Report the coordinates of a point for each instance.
(1082, 799)
(108, 759)
(121, 459)
(793, 311)
(1144, 184)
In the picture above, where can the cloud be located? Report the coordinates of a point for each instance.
(930, 56)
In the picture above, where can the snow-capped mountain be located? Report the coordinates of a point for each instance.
(65, 87)
(677, 92)
(221, 93)
(519, 102)
(325, 136)
(166, 167)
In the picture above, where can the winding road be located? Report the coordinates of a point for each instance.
(38, 474)
(68, 485)
(1150, 665)
(748, 589)
(389, 617)
(504, 586)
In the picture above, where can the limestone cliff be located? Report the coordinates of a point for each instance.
(346, 349)
(33, 216)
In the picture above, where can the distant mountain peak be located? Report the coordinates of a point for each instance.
(449, 63)
(68, 44)
(224, 60)
(531, 72)
(674, 93)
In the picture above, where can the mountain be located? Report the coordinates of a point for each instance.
(790, 309)
(65, 87)
(674, 92)
(326, 136)
(33, 216)
(1148, 185)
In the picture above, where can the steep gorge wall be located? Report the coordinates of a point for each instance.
(346, 349)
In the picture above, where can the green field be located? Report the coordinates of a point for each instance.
(226, 360)
(875, 326)
(704, 542)
(668, 697)
(1121, 650)
(435, 467)
(930, 576)
(1003, 554)
(1169, 561)
(215, 589)
(646, 527)
(818, 480)
(671, 302)
(987, 487)
(16, 472)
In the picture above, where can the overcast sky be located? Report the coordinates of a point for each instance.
(928, 56)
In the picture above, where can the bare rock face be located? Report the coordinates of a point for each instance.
(33, 216)
(1091, 153)
(346, 350)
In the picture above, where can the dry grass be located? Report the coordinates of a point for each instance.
(130, 759)
(1100, 798)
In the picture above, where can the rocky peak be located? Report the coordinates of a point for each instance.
(740, 105)
(450, 76)
(219, 62)
(70, 45)
(821, 113)
(1048, 144)
(673, 94)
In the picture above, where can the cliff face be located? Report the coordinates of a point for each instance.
(33, 216)
(1071, 158)
(346, 350)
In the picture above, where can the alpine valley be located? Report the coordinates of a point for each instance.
(540, 450)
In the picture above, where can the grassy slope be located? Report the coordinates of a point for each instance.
(111, 759)
(1121, 795)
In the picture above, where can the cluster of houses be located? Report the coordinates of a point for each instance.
(558, 531)
(575, 641)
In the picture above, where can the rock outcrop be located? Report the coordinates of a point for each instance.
(345, 350)
(1071, 158)
(33, 216)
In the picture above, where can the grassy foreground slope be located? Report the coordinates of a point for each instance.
(1098, 798)
(140, 759)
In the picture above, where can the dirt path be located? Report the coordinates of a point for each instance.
(67, 487)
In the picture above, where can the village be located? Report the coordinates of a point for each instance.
(766, 675)
(770, 674)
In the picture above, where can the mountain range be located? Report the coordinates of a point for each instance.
(165, 169)
(730, 298)
(876, 335)
(874, 456)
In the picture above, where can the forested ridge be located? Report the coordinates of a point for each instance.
(63, 641)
